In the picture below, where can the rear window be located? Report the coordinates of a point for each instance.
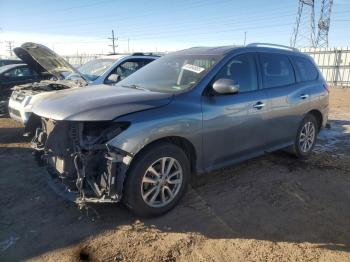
(276, 70)
(305, 68)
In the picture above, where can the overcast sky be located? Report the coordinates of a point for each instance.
(71, 26)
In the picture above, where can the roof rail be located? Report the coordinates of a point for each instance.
(142, 54)
(138, 53)
(273, 45)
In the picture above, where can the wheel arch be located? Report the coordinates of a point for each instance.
(318, 115)
(181, 142)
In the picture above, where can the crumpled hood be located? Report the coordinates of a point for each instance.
(98, 103)
(43, 59)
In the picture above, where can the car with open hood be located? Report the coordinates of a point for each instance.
(189, 112)
(105, 70)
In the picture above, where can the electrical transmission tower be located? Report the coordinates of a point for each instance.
(304, 30)
(324, 23)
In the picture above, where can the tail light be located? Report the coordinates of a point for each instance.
(326, 86)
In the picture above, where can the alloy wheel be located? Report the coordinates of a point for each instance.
(307, 137)
(161, 182)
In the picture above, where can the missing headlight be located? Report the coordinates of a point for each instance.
(100, 132)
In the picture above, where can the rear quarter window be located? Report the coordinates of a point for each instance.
(276, 70)
(305, 68)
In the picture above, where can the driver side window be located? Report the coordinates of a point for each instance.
(127, 68)
(242, 70)
(18, 72)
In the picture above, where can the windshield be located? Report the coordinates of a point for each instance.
(93, 69)
(171, 73)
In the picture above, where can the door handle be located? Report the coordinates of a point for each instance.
(259, 105)
(304, 96)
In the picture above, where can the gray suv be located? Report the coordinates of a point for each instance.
(189, 112)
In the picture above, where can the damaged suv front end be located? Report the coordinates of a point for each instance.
(82, 165)
(74, 140)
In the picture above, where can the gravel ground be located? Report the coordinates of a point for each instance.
(273, 208)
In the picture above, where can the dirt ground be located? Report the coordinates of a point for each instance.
(273, 208)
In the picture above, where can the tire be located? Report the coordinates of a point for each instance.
(299, 149)
(140, 181)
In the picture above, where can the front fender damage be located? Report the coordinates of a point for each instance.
(79, 170)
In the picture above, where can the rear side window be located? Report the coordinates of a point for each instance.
(306, 70)
(276, 70)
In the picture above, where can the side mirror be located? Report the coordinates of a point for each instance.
(225, 86)
(113, 79)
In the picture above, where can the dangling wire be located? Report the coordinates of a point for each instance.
(79, 164)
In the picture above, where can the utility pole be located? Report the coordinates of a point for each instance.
(245, 37)
(113, 41)
(128, 45)
(9, 47)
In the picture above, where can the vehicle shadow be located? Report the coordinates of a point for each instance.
(12, 135)
(274, 197)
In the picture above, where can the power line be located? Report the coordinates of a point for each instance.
(213, 19)
(155, 14)
(256, 23)
(190, 32)
(152, 13)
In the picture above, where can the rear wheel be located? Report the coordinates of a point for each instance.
(306, 137)
(157, 180)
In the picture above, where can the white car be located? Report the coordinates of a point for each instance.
(105, 70)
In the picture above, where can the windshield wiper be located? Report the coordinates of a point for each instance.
(134, 87)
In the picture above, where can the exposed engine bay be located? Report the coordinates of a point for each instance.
(46, 86)
(83, 167)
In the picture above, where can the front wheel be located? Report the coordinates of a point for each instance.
(306, 137)
(157, 180)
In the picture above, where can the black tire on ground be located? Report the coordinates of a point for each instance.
(296, 149)
(132, 196)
